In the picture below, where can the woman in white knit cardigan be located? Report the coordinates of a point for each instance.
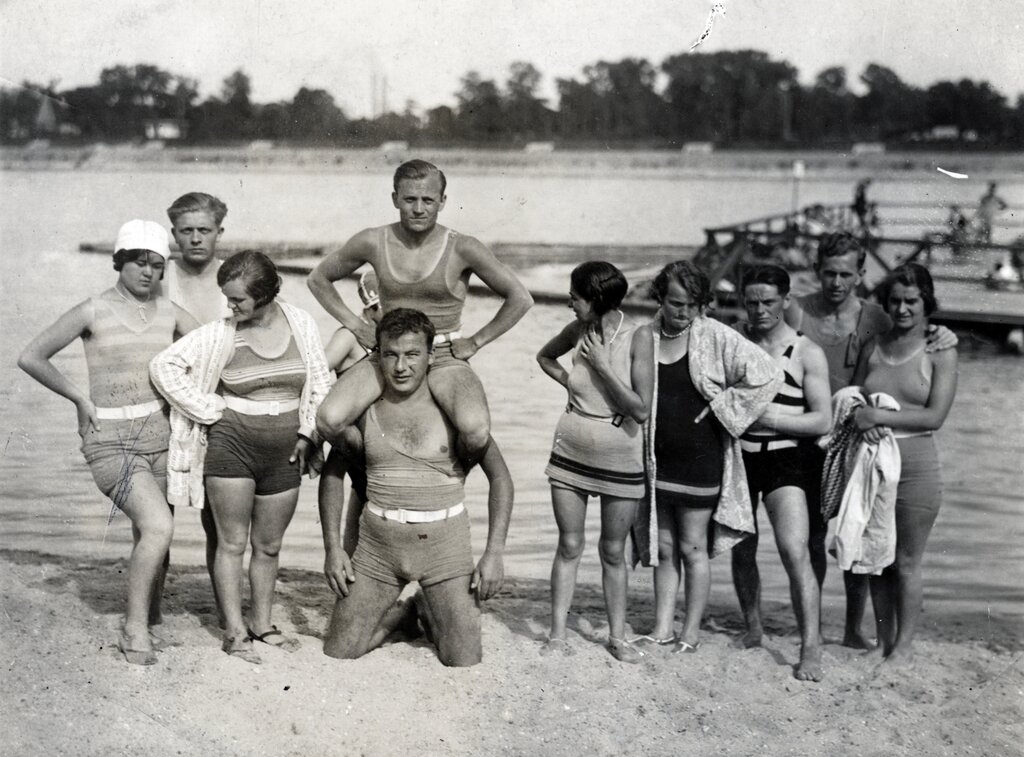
(244, 393)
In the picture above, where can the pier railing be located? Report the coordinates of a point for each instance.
(792, 239)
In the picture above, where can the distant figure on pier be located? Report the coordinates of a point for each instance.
(860, 204)
(957, 227)
(988, 206)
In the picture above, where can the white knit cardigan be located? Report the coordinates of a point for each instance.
(187, 374)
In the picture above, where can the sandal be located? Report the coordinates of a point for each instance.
(135, 656)
(241, 647)
(623, 651)
(286, 643)
(684, 647)
(644, 640)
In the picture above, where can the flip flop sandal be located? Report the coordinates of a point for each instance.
(241, 647)
(684, 647)
(286, 643)
(644, 640)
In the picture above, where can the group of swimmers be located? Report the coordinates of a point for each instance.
(205, 389)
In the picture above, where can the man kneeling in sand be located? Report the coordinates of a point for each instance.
(414, 526)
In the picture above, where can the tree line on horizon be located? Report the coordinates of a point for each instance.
(732, 99)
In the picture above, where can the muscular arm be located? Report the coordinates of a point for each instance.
(35, 361)
(183, 322)
(331, 500)
(503, 282)
(817, 419)
(336, 266)
(490, 571)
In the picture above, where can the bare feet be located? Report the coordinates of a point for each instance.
(752, 638)
(899, 657)
(557, 646)
(857, 640)
(874, 655)
(809, 668)
(136, 647)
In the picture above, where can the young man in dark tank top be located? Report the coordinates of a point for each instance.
(425, 266)
(414, 526)
(842, 324)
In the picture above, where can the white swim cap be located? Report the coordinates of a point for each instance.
(143, 235)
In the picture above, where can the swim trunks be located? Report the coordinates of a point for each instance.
(396, 553)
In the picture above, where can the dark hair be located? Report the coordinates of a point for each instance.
(401, 321)
(419, 169)
(256, 270)
(599, 283)
(772, 275)
(196, 202)
(910, 275)
(841, 243)
(133, 256)
(691, 278)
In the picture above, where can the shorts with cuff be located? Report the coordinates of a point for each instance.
(396, 553)
(256, 447)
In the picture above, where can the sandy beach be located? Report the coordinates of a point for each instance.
(68, 692)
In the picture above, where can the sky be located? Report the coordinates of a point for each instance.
(423, 47)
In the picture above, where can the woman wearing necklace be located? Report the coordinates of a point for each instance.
(121, 417)
(924, 385)
(711, 384)
(244, 393)
(598, 445)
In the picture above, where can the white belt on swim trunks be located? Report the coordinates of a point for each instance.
(260, 407)
(767, 446)
(129, 412)
(451, 336)
(414, 516)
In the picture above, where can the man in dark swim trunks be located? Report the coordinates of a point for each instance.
(777, 466)
(424, 266)
(414, 526)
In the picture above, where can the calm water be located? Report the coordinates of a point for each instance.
(49, 503)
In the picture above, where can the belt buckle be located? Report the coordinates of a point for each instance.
(275, 408)
(401, 515)
(617, 420)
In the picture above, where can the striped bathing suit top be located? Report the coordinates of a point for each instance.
(253, 376)
(789, 400)
(118, 353)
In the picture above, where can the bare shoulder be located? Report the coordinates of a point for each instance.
(473, 251)
(944, 358)
(359, 247)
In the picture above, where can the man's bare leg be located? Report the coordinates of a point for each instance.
(358, 388)
(787, 510)
(359, 622)
(460, 395)
(455, 621)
